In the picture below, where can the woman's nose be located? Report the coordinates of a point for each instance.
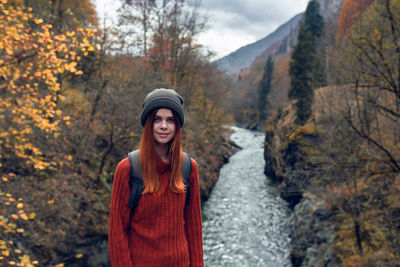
(163, 124)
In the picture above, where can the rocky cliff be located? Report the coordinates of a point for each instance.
(292, 159)
(330, 9)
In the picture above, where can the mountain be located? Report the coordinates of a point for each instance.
(247, 77)
(242, 58)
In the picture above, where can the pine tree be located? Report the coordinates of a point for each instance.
(306, 71)
(301, 64)
(313, 20)
(264, 89)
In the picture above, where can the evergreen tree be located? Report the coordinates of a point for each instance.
(318, 72)
(301, 64)
(306, 70)
(264, 89)
(313, 20)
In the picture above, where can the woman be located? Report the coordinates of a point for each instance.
(163, 230)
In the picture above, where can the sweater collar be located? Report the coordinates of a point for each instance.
(163, 166)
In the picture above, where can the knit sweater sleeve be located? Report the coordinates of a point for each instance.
(193, 226)
(120, 255)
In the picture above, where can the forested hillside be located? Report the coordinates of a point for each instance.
(335, 148)
(70, 100)
(247, 81)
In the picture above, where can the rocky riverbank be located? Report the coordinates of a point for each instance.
(291, 156)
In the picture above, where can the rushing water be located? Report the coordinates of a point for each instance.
(244, 220)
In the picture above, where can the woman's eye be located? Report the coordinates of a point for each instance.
(171, 120)
(156, 119)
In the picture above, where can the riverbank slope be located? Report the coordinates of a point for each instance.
(287, 153)
(343, 194)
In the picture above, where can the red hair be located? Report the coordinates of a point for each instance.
(148, 156)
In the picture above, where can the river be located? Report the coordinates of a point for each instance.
(245, 220)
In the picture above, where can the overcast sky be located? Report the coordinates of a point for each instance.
(234, 23)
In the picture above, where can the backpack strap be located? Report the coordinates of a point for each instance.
(136, 180)
(186, 171)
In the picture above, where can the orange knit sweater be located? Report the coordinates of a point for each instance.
(163, 231)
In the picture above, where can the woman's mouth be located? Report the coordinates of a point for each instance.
(163, 135)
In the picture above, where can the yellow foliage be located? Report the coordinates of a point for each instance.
(310, 150)
(32, 58)
(307, 129)
(38, 21)
(8, 226)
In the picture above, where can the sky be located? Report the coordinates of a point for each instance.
(232, 24)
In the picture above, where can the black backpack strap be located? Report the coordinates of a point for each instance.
(135, 181)
(186, 171)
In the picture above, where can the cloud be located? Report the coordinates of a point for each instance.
(234, 23)
(257, 11)
(231, 23)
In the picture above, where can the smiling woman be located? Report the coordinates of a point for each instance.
(165, 228)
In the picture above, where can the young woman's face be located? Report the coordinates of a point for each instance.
(164, 126)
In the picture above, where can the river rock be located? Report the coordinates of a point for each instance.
(311, 233)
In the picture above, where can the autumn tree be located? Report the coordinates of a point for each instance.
(63, 15)
(32, 58)
(371, 116)
(163, 40)
(350, 11)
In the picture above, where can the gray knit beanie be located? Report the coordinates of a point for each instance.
(162, 98)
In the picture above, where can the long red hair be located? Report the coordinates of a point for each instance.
(148, 158)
